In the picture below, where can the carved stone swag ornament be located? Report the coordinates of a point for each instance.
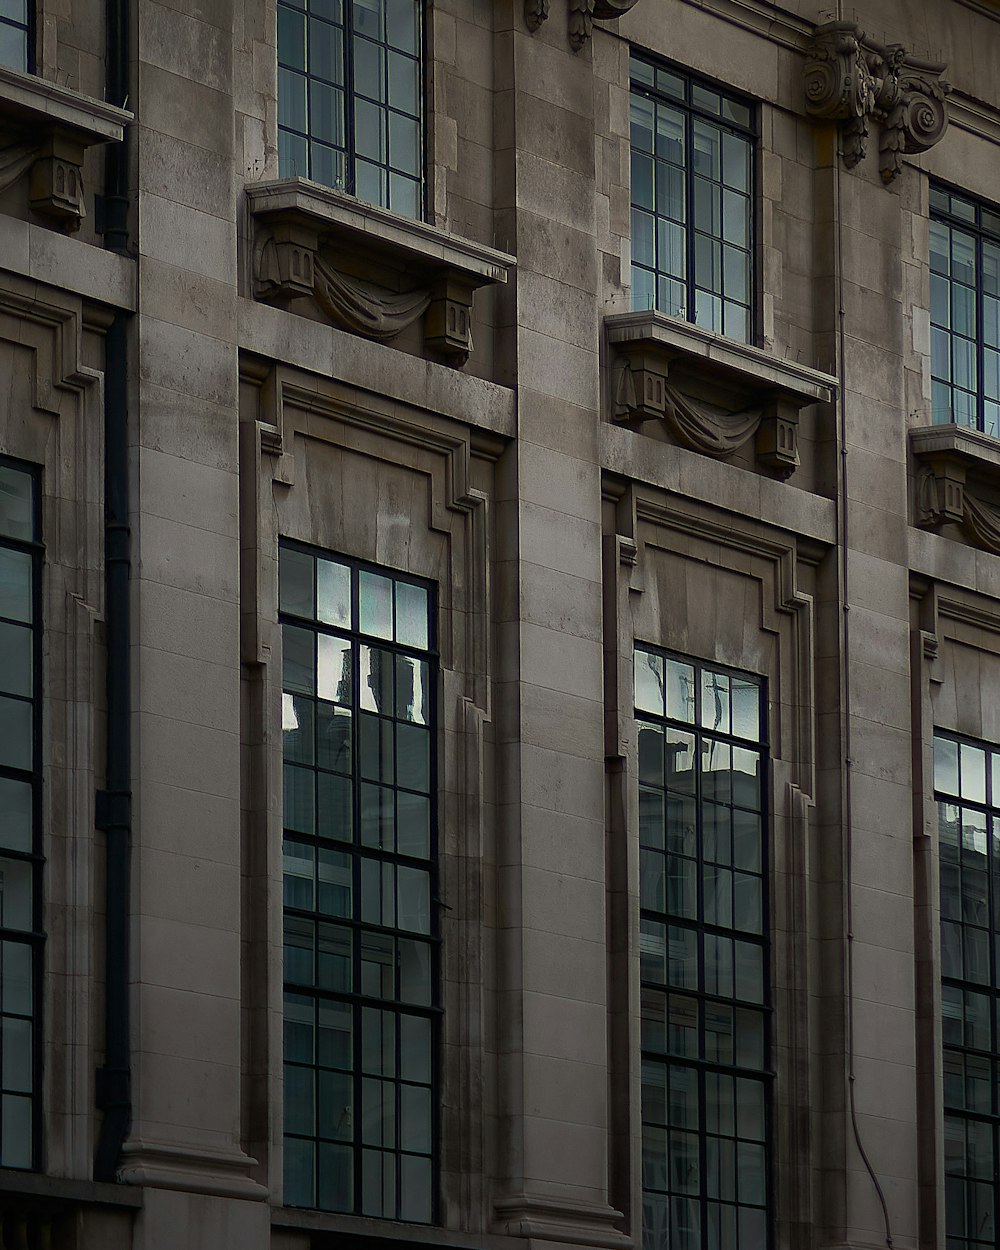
(580, 16)
(852, 80)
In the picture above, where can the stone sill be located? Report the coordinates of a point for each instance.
(32, 101)
(728, 359)
(342, 1228)
(353, 222)
(713, 395)
(46, 1192)
(960, 444)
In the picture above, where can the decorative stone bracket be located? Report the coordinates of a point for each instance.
(45, 130)
(955, 466)
(304, 234)
(579, 18)
(713, 394)
(852, 80)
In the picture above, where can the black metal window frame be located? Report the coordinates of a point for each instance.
(744, 123)
(29, 858)
(969, 869)
(355, 999)
(25, 25)
(351, 93)
(664, 1058)
(958, 350)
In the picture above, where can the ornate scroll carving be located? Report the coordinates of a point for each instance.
(852, 80)
(580, 16)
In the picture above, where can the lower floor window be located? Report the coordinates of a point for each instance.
(360, 877)
(967, 782)
(703, 955)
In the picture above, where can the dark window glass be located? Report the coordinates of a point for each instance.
(16, 19)
(360, 876)
(965, 312)
(967, 786)
(692, 201)
(20, 798)
(703, 948)
(350, 97)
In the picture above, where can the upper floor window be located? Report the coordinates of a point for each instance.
(692, 201)
(967, 786)
(20, 814)
(360, 877)
(351, 98)
(703, 946)
(15, 34)
(965, 312)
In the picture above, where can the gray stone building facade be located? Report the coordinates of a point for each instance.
(499, 624)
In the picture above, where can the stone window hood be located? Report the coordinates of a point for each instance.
(368, 270)
(713, 394)
(44, 131)
(958, 482)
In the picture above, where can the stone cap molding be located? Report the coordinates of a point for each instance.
(298, 224)
(714, 394)
(48, 129)
(955, 464)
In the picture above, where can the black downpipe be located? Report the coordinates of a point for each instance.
(114, 804)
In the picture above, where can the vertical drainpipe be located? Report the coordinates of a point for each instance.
(113, 815)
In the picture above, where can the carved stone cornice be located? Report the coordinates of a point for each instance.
(580, 16)
(958, 482)
(366, 269)
(45, 130)
(713, 394)
(852, 80)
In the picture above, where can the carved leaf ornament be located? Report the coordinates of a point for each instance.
(852, 80)
(580, 16)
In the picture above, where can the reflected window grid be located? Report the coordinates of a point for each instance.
(693, 151)
(350, 98)
(967, 789)
(965, 312)
(703, 953)
(360, 877)
(20, 796)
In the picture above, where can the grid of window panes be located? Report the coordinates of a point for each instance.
(359, 880)
(967, 786)
(15, 34)
(350, 97)
(965, 312)
(703, 955)
(20, 792)
(692, 191)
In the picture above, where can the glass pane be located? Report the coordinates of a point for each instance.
(415, 1048)
(335, 880)
(415, 1118)
(412, 615)
(297, 728)
(299, 799)
(377, 816)
(416, 1189)
(336, 819)
(15, 585)
(15, 894)
(299, 874)
(412, 690)
(15, 1132)
(299, 1033)
(16, 520)
(377, 951)
(375, 602)
(333, 593)
(404, 143)
(326, 52)
(946, 765)
(298, 659)
(413, 825)
(413, 760)
(376, 748)
(292, 100)
(291, 37)
(333, 737)
(16, 733)
(335, 1047)
(300, 1099)
(335, 1105)
(413, 899)
(414, 972)
(334, 958)
(375, 680)
(15, 814)
(973, 773)
(648, 680)
(369, 134)
(15, 978)
(336, 1177)
(300, 1172)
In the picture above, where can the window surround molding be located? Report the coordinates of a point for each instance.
(303, 231)
(714, 394)
(46, 130)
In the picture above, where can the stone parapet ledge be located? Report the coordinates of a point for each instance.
(957, 482)
(714, 394)
(45, 129)
(370, 271)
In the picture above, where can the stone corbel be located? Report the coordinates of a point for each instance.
(712, 395)
(448, 327)
(45, 130)
(957, 468)
(579, 16)
(854, 81)
(285, 261)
